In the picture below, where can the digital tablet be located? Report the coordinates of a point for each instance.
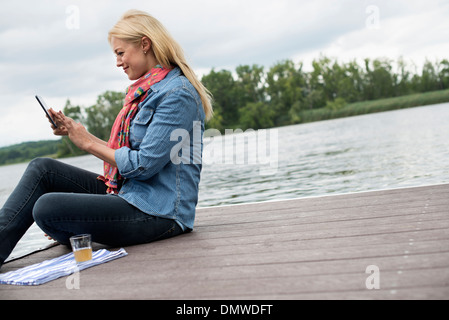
(44, 106)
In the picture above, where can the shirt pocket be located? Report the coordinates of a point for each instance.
(140, 124)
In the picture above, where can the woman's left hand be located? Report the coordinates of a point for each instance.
(76, 132)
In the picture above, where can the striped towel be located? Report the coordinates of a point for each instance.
(49, 270)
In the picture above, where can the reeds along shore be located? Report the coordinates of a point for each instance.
(366, 107)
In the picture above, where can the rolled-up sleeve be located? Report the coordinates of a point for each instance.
(177, 110)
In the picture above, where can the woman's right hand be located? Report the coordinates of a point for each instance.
(60, 130)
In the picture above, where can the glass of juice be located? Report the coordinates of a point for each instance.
(82, 247)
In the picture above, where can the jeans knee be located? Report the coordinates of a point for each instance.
(41, 163)
(38, 168)
(42, 209)
(47, 215)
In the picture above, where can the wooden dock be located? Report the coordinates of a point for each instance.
(311, 248)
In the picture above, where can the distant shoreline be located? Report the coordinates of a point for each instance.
(27, 151)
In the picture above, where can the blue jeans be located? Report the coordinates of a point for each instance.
(65, 200)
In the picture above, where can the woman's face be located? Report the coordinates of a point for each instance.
(132, 58)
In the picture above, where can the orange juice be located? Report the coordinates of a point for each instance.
(83, 255)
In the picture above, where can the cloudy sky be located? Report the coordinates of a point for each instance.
(59, 49)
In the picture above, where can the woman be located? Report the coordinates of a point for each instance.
(146, 193)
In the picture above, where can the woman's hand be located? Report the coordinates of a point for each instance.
(60, 130)
(48, 237)
(76, 132)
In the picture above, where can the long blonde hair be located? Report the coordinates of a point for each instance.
(136, 24)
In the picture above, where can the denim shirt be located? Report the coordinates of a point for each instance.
(162, 167)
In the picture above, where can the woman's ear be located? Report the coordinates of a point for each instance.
(146, 44)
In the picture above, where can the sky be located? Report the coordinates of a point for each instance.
(59, 49)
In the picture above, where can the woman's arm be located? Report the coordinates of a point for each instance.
(97, 140)
(102, 152)
(84, 140)
(62, 130)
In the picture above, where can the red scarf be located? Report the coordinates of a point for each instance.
(135, 93)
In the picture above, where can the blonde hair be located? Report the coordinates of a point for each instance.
(136, 24)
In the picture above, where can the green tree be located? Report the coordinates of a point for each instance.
(316, 97)
(429, 78)
(251, 84)
(379, 80)
(285, 87)
(223, 88)
(403, 78)
(350, 82)
(443, 73)
(335, 80)
(256, 115)
(101, 116)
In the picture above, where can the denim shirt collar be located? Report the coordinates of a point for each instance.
(172, 74)
(161, 84)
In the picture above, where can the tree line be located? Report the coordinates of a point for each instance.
(254, 98)
(25, 151)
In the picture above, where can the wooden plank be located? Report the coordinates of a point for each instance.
(313, 248)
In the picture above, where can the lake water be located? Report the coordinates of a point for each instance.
(386, 150)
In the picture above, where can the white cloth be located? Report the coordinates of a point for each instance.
(49, 270)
